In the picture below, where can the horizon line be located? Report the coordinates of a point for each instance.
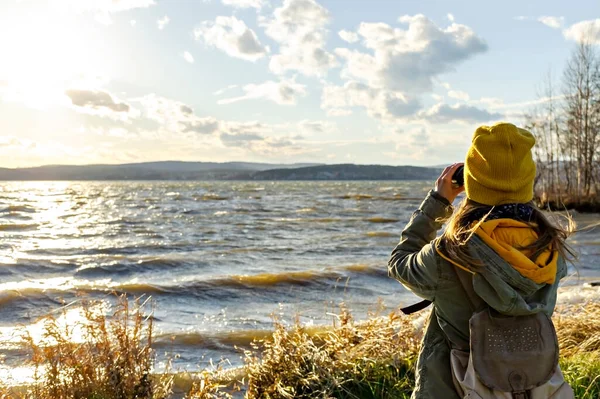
(218, 162)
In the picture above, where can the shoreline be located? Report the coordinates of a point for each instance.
(585, 206)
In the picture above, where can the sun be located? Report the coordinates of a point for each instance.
(43, 55)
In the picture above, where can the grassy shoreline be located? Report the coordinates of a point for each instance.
(581, 205)
(369, 359)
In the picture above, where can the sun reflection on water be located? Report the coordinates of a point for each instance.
(70, 320)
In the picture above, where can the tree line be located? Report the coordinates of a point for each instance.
(566, 123)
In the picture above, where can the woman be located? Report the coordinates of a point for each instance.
(512, 256)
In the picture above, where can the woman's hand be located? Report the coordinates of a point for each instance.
(444, 186)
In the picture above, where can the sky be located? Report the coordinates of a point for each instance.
(397, 82)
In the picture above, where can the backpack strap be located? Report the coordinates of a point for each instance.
(465, 277)
(466, 280)
(416, 307)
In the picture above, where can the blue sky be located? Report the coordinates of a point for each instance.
(363, 81)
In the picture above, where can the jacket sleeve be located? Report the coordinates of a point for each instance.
(414, 261)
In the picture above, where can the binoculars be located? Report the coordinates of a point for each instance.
(458, 178)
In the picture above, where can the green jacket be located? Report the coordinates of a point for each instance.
(418, 266)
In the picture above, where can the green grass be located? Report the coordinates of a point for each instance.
(582, 372)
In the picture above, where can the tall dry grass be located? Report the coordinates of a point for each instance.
(99, 357)
(376, 358)
(354, 360)
(366, 360)
(578, 329)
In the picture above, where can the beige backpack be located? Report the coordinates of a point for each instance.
(510, 357)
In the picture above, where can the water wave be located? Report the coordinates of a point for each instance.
(250, 189)
(209, 287)
(306, 210)
(312, 220)
(212, 197)
(18, 208)
(224, 340)
(122, 266)
(380, 234)
(370, 197)
(18, 226)
(356, 196)
(382, 220)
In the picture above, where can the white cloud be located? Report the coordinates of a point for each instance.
(379, 103)
(257, 138)
(284, 92)
(553, 22)
(133, 22)
(450, 17)
(101, 103)
(118, 132)
(244, 3)
(338, 112)
(444, 113)
(15, 143)
(414, 144)
(317, 127)
(398, 66)
(299, 28)
(419, 138)
(499, 104)
(588, 31)
(408, 59)
(231, 36)
(163, 22)
(347, 36)
(223, 90)
(188, 57)
(459, 95)
(96, 99)
(207, 125)
(175, 116)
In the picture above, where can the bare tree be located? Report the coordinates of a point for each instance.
(567, 128)
(581, 108)
(544, 121)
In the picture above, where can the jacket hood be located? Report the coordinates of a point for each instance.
(509, 281)
(507, 237)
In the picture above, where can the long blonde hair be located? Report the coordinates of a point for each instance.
(466, 220)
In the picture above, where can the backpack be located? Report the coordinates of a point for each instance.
(509, 357)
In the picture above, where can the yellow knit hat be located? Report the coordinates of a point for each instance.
(499, 168)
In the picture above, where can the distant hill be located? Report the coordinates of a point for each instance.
(175, 170)
(350, 172)
(168, 170)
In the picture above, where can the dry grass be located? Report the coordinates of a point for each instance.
(375, 359)
(213, 385)
(578, 329)
(371, 359)
(99, 357)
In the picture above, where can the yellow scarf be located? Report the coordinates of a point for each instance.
(506, 236)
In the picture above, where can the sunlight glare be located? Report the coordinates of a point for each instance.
(43, 55)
